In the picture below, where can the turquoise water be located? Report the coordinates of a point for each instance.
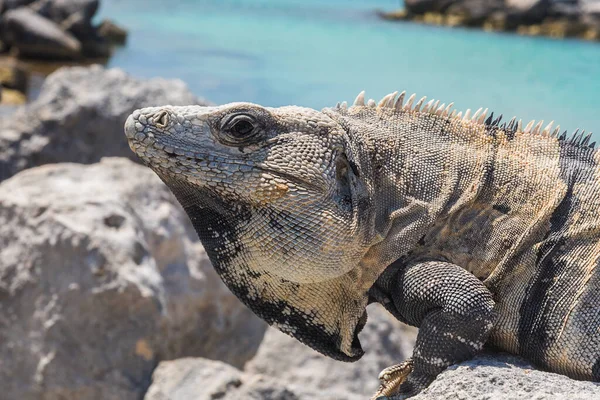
(315, 53)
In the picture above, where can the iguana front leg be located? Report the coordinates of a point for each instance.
(454, 313)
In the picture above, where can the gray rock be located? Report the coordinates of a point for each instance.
(505, 377)
(79, 117)
(75, 16)
(32, 35)
(101, 277)
(201, 379)
(77, 10)
(385, 340)
(591, 7)
(590, 13)
(71, 19)
(569, 10)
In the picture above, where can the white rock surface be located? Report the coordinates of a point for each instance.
(385, 340)
(505, 377)
(101, 278)
(201, 379)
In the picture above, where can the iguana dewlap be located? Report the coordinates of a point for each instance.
(474, 231)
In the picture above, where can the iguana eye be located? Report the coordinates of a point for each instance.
(239, 129)
(242, 128)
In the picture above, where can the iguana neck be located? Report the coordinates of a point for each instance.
(421, 168)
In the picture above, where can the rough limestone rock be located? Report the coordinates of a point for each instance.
(505, 377)
(79, 117)
(487, 377)
(35, 36)
(385, 341)
(201, 379)
(101, 277)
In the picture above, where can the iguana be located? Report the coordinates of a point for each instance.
(474, 230)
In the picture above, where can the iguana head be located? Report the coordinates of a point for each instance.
(278, 202)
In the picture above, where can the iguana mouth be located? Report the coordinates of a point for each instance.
(293, 179)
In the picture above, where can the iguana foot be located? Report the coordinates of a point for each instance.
(391, 378)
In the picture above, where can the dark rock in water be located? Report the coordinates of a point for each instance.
(112, 32)
(56, 29)
(96, 47)
(569, 9)
(554, 18)
(423, 6)
(61, 10)
(74, 16)
(79, 117)
(528, 12)
(102, 276)
(474, 12)
(32, 35)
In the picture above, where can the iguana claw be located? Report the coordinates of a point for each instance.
(391, 378)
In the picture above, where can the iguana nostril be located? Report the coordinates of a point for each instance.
(162, 119)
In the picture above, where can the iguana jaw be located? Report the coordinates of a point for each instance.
(309, 312)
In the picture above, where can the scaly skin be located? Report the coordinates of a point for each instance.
(475, 232)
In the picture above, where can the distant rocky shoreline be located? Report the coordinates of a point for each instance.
(551, 18)
(39, 36)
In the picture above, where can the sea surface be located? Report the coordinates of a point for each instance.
(317, 52)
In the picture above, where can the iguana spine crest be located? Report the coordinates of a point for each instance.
(393, 101)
